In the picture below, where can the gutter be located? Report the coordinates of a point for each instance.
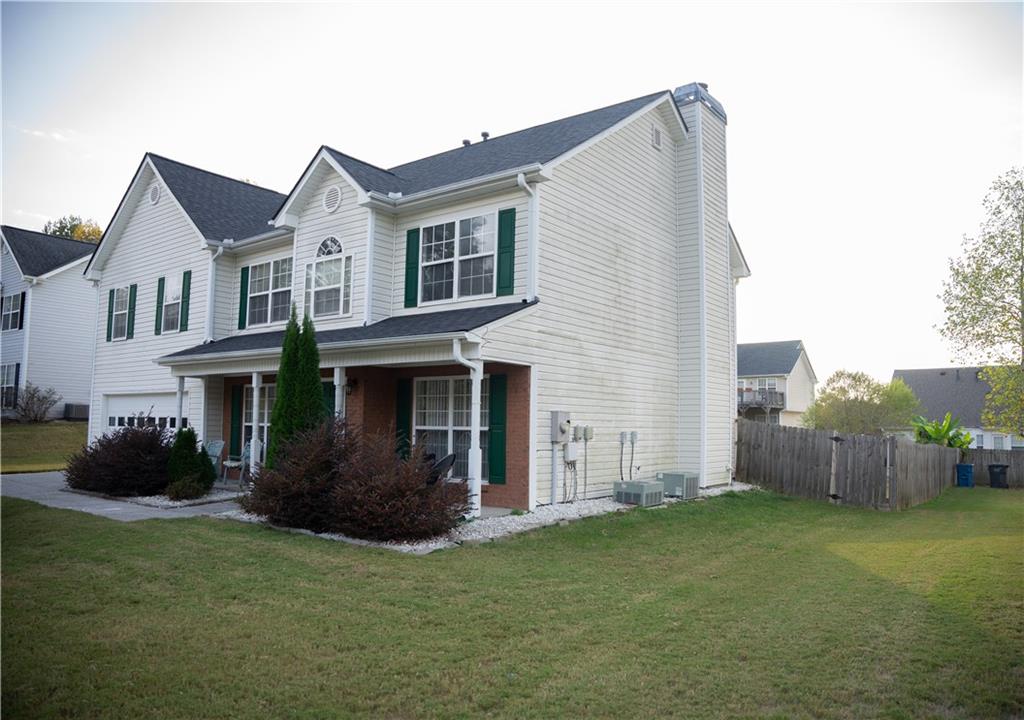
(228, 244)
(170, 360)
(395, 200)
(532, 237)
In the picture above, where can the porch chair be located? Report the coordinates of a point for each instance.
(440, 470)
(241, 462)
(214, 449)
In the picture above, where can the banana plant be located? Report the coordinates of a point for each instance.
(946, 432)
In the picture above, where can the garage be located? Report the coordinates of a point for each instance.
(157, 409)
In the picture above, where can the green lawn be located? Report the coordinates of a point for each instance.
(748, 605)
(39, 446)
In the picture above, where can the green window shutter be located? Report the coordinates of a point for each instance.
(110, 314)
(243, 298)
(506, 251)
(186, 287)
(496, 429)
(158, 326)
(412, 267)
(132, 292)
(403, 416)
(235, 446)
(329, 397)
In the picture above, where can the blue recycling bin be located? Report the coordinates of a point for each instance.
(964, 475)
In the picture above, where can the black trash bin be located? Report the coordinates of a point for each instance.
(997, 476)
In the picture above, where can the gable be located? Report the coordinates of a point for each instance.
(769, 358)
(37, 254)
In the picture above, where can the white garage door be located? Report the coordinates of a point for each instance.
(152, 409)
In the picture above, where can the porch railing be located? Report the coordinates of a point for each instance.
(760, 398)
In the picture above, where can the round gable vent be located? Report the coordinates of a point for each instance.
(154, 194)
(332, 198)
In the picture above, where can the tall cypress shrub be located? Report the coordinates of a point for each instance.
(283, 418)
(309, 390)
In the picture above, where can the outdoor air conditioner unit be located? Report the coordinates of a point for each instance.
(76, 412)
(680, 484)
(644, 493)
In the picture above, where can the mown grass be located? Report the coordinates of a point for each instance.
(39, 446)
(747, 605)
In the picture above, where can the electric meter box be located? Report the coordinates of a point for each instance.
(561, 431)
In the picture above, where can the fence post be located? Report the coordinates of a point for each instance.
(832, 472)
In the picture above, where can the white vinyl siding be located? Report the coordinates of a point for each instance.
(157, 241)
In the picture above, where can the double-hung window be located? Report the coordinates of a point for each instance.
(172, 305)
(268, 393)
(11, 312)
(329, 281)
(457, 258)
(119, 317)
(442, 418)
(270, 292)
(8, 385)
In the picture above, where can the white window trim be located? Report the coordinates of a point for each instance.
(6, 312)
(264, 424)
(7, 382)
(451, 426)
(163, 311)
(115, 312)
(309, 290)
(270, 292)
(455, 260)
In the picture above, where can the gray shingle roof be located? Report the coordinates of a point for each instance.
(38, 253)
(767, 358)
(955, 390)
(537, 144)
(411, 326)
(219, 206)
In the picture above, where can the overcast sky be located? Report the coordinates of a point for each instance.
(861, 138)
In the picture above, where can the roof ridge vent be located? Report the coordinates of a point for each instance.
(485, 135)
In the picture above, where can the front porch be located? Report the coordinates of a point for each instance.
(429, 405)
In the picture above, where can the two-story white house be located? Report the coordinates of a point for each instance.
(583, 266)
(48, 318)
(775, 382)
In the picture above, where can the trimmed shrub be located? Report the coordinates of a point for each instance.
(129, 461)
(332, 479)
(296, 492)
(382, 496)
(188, 462)
(189, 487)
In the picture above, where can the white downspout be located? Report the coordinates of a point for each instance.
(476, 375)
(532, 237)
(211, 292)
(368, 299)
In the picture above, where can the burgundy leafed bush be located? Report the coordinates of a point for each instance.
(129, 461)
(333, 479)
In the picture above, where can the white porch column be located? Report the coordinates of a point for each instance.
(339, 392)
(476, 376)
(179, 400)
(254, 449)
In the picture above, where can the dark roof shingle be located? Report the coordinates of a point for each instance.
(411, 326)
(219, 206)
(38, 253)
(948, 390)
(537, 144)
(767, 358)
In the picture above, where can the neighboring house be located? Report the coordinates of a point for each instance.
(584, 266)
(48, 317)
(774, 382)
(959, 391)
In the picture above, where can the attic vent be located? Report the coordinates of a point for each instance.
(332, 198)
(656, 137)
(154, 194)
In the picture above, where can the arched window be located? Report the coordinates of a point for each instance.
(329, 281)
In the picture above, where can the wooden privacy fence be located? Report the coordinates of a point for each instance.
(983, 458)
(889, 473)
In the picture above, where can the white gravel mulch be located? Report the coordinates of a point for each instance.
(164, 502)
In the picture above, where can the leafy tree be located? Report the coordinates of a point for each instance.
(282, 419)
(854, 402)
(309, 393)
(947, 432)
(984, 302)
(74, 228)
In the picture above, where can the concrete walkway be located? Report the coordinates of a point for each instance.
(47, 489)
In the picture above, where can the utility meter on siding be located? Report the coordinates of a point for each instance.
(560, 426)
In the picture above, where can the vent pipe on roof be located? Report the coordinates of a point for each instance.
(466, 143)
(485, 135)
(703, 85)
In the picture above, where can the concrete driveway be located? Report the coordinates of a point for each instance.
(47, 489)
